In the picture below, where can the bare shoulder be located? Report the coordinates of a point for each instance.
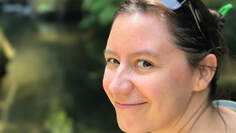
(230, 119)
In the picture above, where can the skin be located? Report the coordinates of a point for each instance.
(149, 80)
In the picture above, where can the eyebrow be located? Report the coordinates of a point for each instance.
(139, 53)
(146, 52)
(107, 51)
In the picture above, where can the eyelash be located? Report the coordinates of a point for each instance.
(112, 61)
(144, 63)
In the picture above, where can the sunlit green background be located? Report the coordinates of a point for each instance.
(54, 82)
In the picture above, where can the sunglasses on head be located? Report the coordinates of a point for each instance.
(177, 4)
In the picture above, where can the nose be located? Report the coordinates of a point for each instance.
(121, 83)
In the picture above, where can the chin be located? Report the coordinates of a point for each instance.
(130, 127)
(132, 130)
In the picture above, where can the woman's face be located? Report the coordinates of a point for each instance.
(147, 78)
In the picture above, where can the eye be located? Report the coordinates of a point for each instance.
(144, 64)
(112, 61)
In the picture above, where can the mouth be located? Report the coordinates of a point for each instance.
(128, 106)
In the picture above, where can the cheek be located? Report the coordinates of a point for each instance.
(107, 78)
(179, 86)
(181, 73)
(182, 77)
(166, 87)
(152, 86)
(163, 96)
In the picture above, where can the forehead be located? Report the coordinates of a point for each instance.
(133, 32)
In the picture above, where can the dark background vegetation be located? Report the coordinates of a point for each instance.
(54, 81)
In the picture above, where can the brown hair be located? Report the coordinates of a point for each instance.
(187, 35)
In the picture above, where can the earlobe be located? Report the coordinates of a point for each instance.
(205, 72)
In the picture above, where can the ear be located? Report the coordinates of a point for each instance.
(205, 72)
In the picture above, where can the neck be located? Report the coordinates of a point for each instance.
(197, 116)
(197, 108)
(200, 117)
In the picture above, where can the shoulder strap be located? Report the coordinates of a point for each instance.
(225, 103)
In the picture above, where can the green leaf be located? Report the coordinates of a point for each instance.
(106, 16)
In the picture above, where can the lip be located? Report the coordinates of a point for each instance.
(128, 106)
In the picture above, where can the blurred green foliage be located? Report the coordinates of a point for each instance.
(60, 65)
(46, 6)
(58, 122)
(98, 13)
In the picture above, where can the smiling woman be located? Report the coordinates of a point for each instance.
(162, 64)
